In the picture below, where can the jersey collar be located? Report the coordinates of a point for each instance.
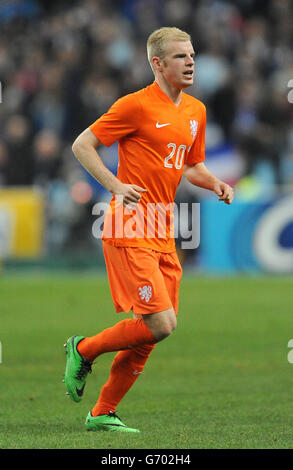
(159, 92)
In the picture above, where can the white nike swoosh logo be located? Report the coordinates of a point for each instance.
(162, 125)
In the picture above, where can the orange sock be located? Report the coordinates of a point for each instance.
(126, 368)
(125, 334)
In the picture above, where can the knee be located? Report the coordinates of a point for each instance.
(165, 329)
(161, 324)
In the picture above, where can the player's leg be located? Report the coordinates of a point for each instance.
(126, 367)
(161, 324)
(129, 364)
(171, 270)
(129, 273)
(81, 351)
(129, 333)
(136, 283)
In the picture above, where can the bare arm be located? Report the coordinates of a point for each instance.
(199, 175)
(84, 148)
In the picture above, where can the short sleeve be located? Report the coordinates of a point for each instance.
(197, 151)
(120, 120)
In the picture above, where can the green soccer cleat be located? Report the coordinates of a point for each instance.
(77, 368)
(109, 422)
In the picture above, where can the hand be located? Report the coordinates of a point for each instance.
(224, 191)
(129, 195)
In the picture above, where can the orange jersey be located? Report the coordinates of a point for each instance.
(156, 138)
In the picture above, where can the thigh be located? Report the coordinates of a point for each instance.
(135, 280)
(172, 272)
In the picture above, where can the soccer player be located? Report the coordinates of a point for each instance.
(161, 135)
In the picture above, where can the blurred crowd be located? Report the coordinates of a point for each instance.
(62, 64)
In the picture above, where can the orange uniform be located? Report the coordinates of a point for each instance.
(156, 138)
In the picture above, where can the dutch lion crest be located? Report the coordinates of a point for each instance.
(145, 293)
(193, 127)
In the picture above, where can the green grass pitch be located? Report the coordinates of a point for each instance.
(221, 380)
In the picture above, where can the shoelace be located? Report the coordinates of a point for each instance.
(85, 368)
(113, 415)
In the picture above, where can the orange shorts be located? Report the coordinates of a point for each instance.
(142, 280)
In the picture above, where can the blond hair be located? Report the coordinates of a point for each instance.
(158, 40)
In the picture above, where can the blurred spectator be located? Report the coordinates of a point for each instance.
(3, 163)
(46, 152)
(47, 108)
(17, 135)
(223, 104)
(261, 127)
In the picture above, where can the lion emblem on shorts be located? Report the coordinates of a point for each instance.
(145, 293)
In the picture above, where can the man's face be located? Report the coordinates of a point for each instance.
(177, 66)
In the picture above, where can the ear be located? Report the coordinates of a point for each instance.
(157, 63)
